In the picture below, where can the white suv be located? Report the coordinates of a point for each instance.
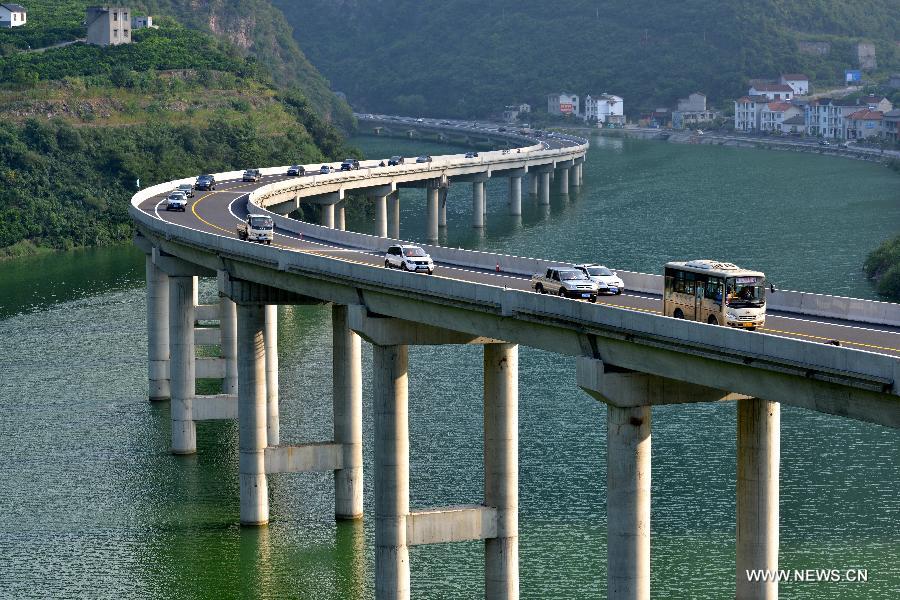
(609, 281)
(408, 258)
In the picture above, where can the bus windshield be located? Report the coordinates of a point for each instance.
(745, 292)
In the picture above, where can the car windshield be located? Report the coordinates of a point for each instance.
(184, 186)
(599, 272)
(261, 222)
(176, 197)
(205, 177)
(745, 292)
(569, 275)
(295, 167)
(414, 252)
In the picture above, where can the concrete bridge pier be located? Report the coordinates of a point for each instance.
(157, 332)
(228, 326)
(347, 407)
(544, 197)
(182, 363)
(442, 204)
(273, 429)
(394, 215)
(534, 180)
(252, 413)
(501, 469)
(515, 195)
(564, 180)
(758, 458)
(573, 176)
(431, 216)
(478, 204)
(327, 217)
(341, 217)
(396, 526)
(381, 218)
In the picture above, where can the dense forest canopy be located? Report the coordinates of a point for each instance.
(469, 57)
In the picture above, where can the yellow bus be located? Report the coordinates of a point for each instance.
(718, 293)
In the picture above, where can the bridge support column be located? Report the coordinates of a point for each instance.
(758, 457)
(545, 188)
(478, 204)
(515, 196)
(157, 332)
(182, 364)
(501, 469)
(564, 180)
(381, 217)
(575, 175)
(228, 325)
(442, 203)
(273, 428)
(252, 413)
(341, 217)
(347, 400)
(431, 228)
(581, 173)
(534, 180)
(628, 502)
(394, 215)
(391, 471)
(328, 215)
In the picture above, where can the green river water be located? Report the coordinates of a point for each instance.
(94, 506)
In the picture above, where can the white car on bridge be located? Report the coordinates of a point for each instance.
(408, 258)
(608, 281)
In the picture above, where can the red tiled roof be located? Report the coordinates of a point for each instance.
(866, 115)
(782, 106)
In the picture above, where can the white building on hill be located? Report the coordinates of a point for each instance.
(605, 108)
(12, 15)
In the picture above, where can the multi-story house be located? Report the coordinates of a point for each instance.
(890, 125)
(773, 114)
(864, 124)
(746, 112)
(605, 108)
(108, 25)
(563, 103)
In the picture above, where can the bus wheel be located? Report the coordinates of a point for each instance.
(678, 314)
(712, 320)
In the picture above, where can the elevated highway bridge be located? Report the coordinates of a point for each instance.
(628, 356)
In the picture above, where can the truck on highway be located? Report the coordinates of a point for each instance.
(567, 282)
(257, 228)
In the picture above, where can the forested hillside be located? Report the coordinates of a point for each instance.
(469, 57)
(80, 125)
(253, 27)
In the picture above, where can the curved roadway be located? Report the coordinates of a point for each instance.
(219, 211)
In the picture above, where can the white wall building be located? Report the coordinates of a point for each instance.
(563, 103)
(746, 112)
(12, 15)
(141, 22)
(108, 25)
(605, 108)
(773, 115)
(797, 81)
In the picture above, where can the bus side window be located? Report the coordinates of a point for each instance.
(714, 289)
(689, 283)
(679, 282)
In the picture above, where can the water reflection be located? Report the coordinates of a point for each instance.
(350, 547)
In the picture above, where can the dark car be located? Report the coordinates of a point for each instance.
(251, 175)
(395, 160)
(471, 155)
(205, 182)
(325, 169)
(349, 164)
(296, 170)
(423, 159)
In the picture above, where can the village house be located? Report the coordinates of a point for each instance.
(605, 108)
(773, 91)
(798, 82)
(890, 126)
(746, 112)
(864, 124)
(108, 25)
(773, 114)
(12, 15)
(563, 103)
